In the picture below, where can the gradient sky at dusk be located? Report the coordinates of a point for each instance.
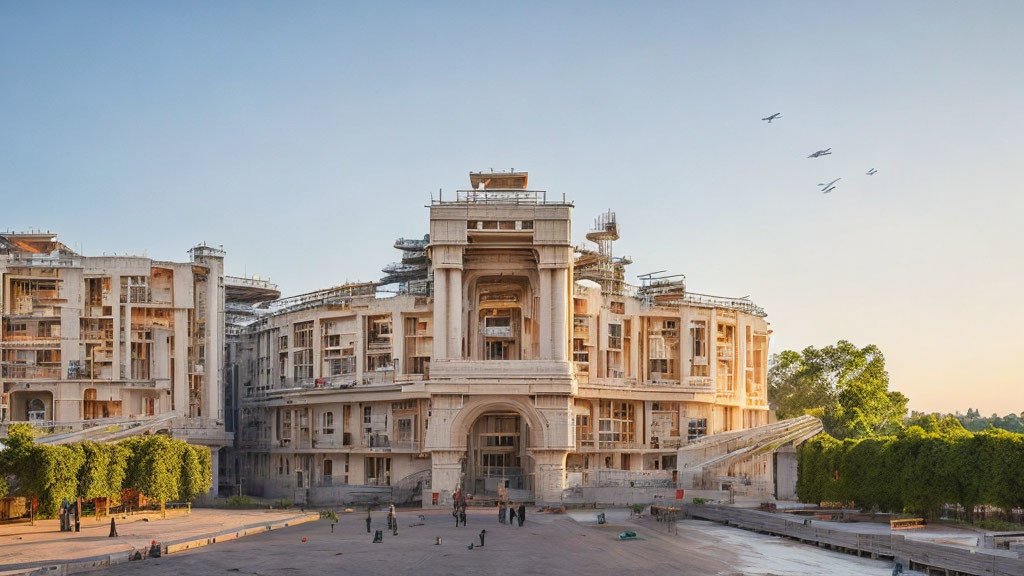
(305, 137)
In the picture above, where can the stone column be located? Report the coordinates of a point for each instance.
(740, 368)
(446, 474)
(550, 475)
(545, 313)
(713, 349)
(685, 346)
(318, 363)
(179, 385)
(455, 313)
(560, 332)
(440, 314)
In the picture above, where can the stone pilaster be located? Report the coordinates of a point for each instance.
(550, 475)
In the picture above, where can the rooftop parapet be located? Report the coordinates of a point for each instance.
(250, 290)
(345, 291)
(203, 250)
(508, 197)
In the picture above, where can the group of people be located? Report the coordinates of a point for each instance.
(514, 514)
(459, 507)
(68, 513)
(392, 519)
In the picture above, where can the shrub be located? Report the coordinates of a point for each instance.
(239, 502)
(916, 472)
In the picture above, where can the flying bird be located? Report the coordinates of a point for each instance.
(819, 153)
(871, 172)
(775, 116)
(830, 183)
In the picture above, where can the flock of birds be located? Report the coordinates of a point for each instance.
(825, 187)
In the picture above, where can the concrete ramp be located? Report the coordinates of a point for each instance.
(710, 458)
(112, 432)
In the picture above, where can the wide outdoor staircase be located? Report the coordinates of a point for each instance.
(491, 500)
(701, 461)
(111, 430)
(409, 490)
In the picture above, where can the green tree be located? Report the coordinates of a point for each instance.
(154, 469)
(51, 475)
(847, 386)
(102, 475)
(196, 475)
(93, 475)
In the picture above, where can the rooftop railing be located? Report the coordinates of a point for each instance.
(510, 196)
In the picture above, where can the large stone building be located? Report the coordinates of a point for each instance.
(505, 358)
(90, 343)
(509, 359)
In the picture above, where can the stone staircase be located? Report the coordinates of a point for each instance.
(491, 500)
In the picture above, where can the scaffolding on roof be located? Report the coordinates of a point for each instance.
(601, 265)
(413, 270)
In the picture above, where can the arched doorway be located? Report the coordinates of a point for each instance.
(497, 455)
(36, 410)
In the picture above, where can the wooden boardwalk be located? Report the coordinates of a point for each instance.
(915, 554)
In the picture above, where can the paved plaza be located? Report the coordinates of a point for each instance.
(547, 544)
(22, 544)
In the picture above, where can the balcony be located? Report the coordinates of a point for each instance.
(30, 372)
(30, 341)
(493, 371)
(617, 445)
(585, 441)
(406, 445)
(699, 384)
(497, 331)
(329, 441)
(375, 441)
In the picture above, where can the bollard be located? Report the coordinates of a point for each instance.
(113, 529)
(483, 533)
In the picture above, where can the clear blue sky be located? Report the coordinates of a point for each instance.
(305, 137)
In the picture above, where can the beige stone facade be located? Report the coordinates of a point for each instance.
(510, 361)
(91, 342)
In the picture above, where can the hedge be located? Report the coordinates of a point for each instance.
(916, 472)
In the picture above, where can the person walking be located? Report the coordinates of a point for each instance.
(394, 520)
(462, 513)
(522, 514)
(511, 513)
(502, 512)
(368, 519)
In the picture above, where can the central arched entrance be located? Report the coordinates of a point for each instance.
(497, 459)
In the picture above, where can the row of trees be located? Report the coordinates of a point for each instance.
(157, 466)
(873, 456)
(918, 471)
(973, 420)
